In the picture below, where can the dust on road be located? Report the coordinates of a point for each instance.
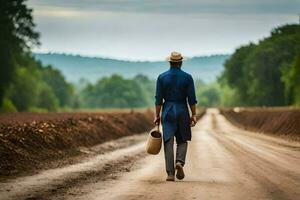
(223, 162)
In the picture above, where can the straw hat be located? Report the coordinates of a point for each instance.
(175, 57)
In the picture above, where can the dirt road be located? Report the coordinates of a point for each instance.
(223, 162)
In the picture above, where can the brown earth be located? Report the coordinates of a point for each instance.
(283, 122)
(30, 142)
(223, 162)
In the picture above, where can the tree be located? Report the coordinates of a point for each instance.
(291, 79)
(62, 89)
(114, 92)
(236, 73)
(46, 98)
(24, 90)
(148, 87)
(259, 73)
(17, 35)
(208, 95)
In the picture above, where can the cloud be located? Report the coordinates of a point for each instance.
(178, 6)
(150, 29)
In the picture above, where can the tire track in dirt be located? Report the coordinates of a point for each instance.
(101, 166)
(273, 170)
(223, 162)
(212, 173)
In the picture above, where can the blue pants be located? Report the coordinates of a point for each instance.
(169, 154)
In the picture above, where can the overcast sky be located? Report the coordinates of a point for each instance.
(151, 29)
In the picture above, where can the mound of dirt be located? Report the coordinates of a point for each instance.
(284, 122)
(30, 141)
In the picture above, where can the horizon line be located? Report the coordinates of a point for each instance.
(123, 59)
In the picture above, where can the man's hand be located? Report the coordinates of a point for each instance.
(193, 120)
(156, 120)
(157, 114)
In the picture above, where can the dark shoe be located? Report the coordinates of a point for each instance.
(170, 178)
(180, 172)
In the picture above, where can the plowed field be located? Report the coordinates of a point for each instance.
(30, 141)
(284, 122)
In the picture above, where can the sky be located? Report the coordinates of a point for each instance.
(151, 29)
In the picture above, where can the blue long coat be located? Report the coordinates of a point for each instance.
(174, 89)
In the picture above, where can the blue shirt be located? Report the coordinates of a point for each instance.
(174, 89)
(175, 85)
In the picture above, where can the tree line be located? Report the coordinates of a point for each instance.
(26, 85)
(262, 74)
(37, 88)
(266, 73)
(118, 92)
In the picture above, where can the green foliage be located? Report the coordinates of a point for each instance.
(229, 97)
(291, 79)
(7, 106)
(33, 87)
(46, 98)
(62, 90)
(38, 110)
(216, 94)
(148, 87)
(24, 89)
(25, 85)
(208, 95)
(235, 73)
(17, 35)
(258, 73)
(114, 92)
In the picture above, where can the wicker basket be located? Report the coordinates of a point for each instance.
(154, 141)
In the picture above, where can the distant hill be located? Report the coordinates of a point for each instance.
(92, 68)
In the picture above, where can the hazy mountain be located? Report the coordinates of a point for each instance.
(92, 68)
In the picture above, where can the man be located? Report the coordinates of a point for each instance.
(174, 90)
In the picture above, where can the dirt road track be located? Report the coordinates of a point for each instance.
(223, 163)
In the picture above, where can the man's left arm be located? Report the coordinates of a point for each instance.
(158, 101)
(192, 101)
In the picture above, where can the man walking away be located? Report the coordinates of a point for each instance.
(174, 92)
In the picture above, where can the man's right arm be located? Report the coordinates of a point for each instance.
(157, 114)
(193, 119)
